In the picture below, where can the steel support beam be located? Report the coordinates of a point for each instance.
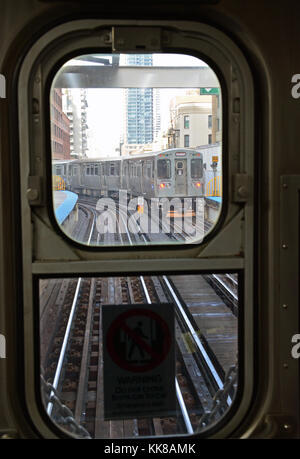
(99, 76)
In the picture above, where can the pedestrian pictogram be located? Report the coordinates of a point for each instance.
(138, 360)
(138, 340)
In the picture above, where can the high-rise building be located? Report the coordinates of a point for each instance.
(142, 109)
(74, 106)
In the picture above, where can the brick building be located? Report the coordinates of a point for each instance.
(60, 127)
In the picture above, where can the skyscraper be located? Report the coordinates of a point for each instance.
(74, 105)
(139, 107)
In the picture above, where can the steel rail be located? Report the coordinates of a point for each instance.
(66, 337)
(179, 396)
(218, 279)
(64, 346)
(197, 341)
(185, 415)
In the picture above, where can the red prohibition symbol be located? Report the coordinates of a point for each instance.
(132, 347)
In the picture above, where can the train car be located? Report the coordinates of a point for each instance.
(165, 174)
(92, 178)
(116, 324)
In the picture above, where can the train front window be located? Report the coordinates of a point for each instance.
(196, 168)
(123, 106)
(163, 169)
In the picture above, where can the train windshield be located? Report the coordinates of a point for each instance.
(164, 168)
(196, 168)
(136, 143)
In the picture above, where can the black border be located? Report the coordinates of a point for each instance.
(241, 361)
(48, 153)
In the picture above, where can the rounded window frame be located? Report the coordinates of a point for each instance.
(32, 77)
(135, 247)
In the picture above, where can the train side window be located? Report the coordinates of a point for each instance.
(149, 166)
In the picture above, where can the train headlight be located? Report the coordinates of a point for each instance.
(164, 185)
(197, 184)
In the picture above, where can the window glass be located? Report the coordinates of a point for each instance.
(186, 122)
(144, 120)
(163, 168)
(139, 356)
(196, 168)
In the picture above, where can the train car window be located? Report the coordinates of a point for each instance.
(149, 170)
(196, 168)
(137, 122)
(164, 168)
(163, 366)
(144, 287)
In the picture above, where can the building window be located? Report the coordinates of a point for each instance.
(209, 121)
(209, 138)
(186, 140)
(186, 122)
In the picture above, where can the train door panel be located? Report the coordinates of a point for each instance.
(180, 177)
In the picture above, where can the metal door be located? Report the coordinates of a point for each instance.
(180, 177)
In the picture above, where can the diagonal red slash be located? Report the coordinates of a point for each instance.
(139, 341)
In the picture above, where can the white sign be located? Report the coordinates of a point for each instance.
(138, 361)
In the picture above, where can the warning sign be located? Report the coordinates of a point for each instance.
(138, 361)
